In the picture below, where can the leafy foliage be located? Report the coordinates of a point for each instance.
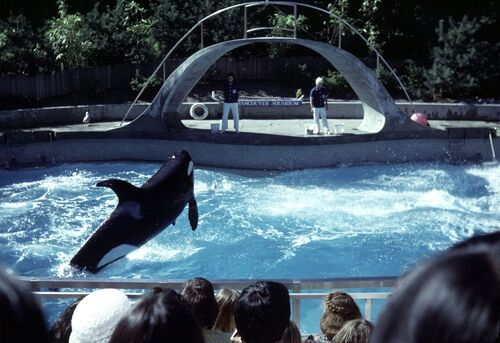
(413, 78)
(457, 55)
(21, 50)
(282, 24)
(122, 34)
(299, 76)
(460, 62)
(69, 38)
(173, 18)
(335, 27)
(369, 10)
(140, 81)
(335, 83)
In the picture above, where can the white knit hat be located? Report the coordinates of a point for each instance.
(96, 316)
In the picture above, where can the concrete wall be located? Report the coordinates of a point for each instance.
(52, 116)
(247, 156)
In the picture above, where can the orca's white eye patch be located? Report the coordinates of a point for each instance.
(190, 168)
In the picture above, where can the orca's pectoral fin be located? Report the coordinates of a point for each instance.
(193, 214)
(124, 190)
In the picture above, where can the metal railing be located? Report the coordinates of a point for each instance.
(247, 5)
(134, 288)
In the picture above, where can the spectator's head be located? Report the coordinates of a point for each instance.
(230, 77)
(21, 319)
(263, 312)
(96, 316)
(199, 293)
(354, 331)
(452, 298)
(339, 308)
(291, 334)
(480, 241)
(61, 329)
(226, 301)
(160, 316)
(319, 82)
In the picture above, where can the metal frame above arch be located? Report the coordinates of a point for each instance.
(380, 110)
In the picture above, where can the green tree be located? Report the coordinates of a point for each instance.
(21, 50)
(69, 38)
(369, 14)
(122, 34)
(413, 78)
(460, 63)
(173, 18)
(282, 23)
(336, 29)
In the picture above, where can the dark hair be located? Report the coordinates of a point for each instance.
(452, 298)
(480, 241)
(21, 319)
(199, 293)
(291, 334)
(263, 312)
(61, 328)
(160, 316)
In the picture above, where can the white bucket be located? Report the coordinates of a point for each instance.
(214, 128)
(309, 129)
(340, 128)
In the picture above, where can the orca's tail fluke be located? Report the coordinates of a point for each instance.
(193, 213)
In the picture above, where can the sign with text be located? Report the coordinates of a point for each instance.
(270, 102)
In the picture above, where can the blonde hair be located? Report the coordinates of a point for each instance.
(226, 300)
(291, 334)
(339, 308)
(319, 80)
(354, 331)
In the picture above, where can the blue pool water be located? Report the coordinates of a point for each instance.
(372, 220)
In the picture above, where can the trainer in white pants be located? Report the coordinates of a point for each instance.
(233, 108)
(317, 113)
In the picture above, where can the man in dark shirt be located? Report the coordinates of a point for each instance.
(231, 93)
(319, 106)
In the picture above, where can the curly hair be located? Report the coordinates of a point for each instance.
(339, 308)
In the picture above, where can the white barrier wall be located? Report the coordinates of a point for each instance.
(48, 116)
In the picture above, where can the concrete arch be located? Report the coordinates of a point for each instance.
(380, 110)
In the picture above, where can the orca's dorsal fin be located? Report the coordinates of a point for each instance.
(124, 190)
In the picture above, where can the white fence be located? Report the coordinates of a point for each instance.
(134, 288)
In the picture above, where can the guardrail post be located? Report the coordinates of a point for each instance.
(368, 309)
(296, 303)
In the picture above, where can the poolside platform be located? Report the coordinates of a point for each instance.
(251, 127)
(261, 144)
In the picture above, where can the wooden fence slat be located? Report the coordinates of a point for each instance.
(63, 82)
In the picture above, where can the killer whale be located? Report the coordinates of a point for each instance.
(141, 213)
